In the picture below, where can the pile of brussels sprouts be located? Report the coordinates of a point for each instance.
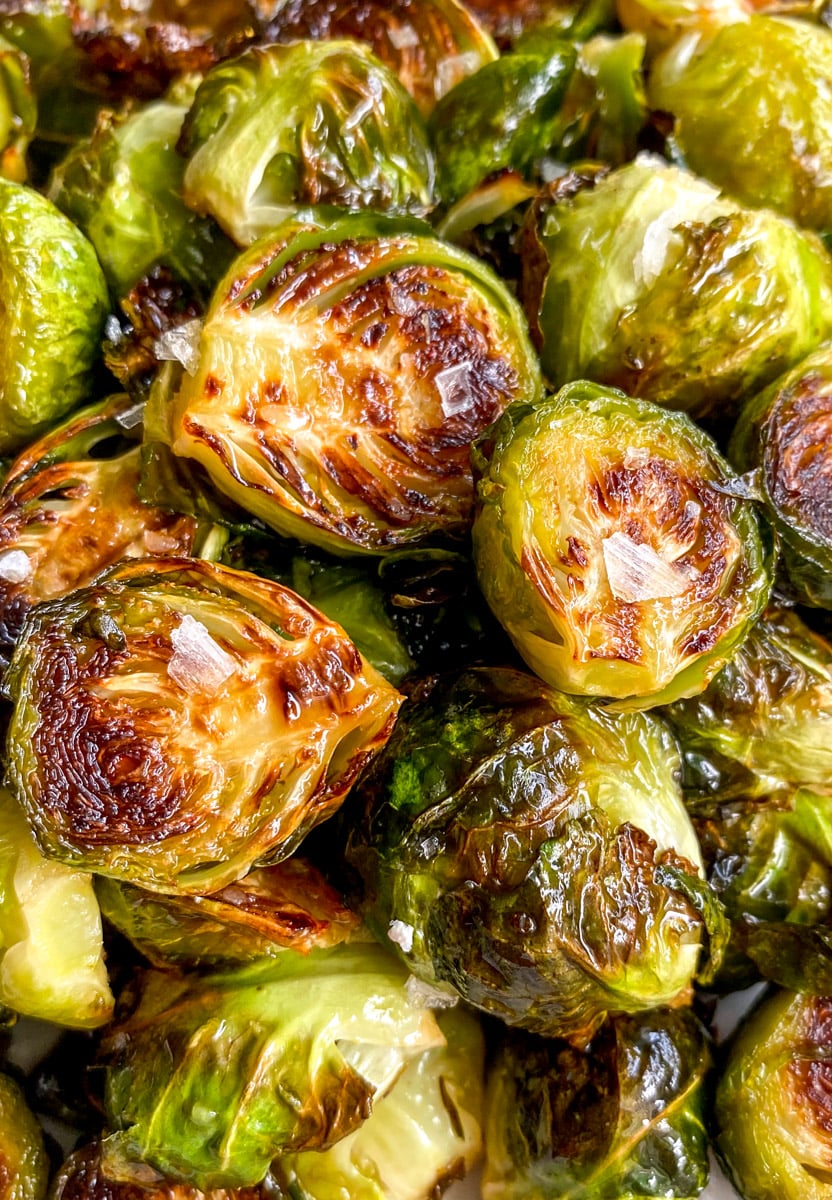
(415, 574)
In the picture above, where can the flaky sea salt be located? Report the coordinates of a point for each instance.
(180, 344)
(402, 934)
(454, 387)
(198, 664)
(636, 572)
(425, 995)
(15, 566)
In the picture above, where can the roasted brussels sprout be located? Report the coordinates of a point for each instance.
(343, 370)
(507, 115)
(664, 22)
(24, 1167)
(509, 20)
(764, 722)
(69, 507)
(782, 436)
(773, 1101)
(289, 904)
(753, 113)
(51, 947)
(81, 1178)
(429, 44)
(423, 1134)
(54, 300)
(624, 1117)
(634, 574)
(212, 1076)
(281, 127)
(145, 764)
(18, 112)
(122, 187)
(770, 862)
(532, 853)
(652, 282)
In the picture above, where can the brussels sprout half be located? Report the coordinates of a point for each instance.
(51, 944)
(532, 853)
(430, 45)
(610, 545)
(651, 281)
(344, 368)
(622, 1118)
(122, 187)
(70, 506)
(783, 436)
(289, 904)
(53, 299)
(211, 1077)
(752, 112)
(309, 123)
(24, 1166)
(205, 721)
(772, 1109)
(765, 721)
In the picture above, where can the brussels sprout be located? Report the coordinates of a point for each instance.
(753, 113)
(145, 763)
(82, 1178)
(423, 1134)
(653, 282)
(69, 507)
(18, 112)
(782, 435)
(770, 862)
(507, 115)
(637, 573)
(510, 20)
(622, 1118)
(344, 368)
(663, 22)
(51, 948)
(430, 45)
(54, 300)
(773, 1101)
(764, 721)
(24, 1167)
(532, 853)
(211, 1077)
(122, 187)
(310, 123)
(288, 904)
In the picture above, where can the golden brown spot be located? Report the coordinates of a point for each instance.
(798, 459)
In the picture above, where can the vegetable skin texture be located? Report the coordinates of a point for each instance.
(648, 280)
(783, 436)
(345, 365)
(772, 1105)
(609, 545)
(622, 1118)
(24, 1166)
(211, 1076)
(283, 127)
(753, 113)
(150, 768)
(531, 853)
(53, 299)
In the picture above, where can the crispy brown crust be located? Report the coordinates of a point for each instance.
(797, 462)
(810, 1074)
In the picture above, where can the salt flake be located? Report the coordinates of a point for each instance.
(636, 572)
(402, 934)
(454, 386)
(425, 995)
(198, 664)
(180, 344)
(403, 37)
(15, 566)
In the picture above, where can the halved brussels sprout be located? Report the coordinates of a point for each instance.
(343, 370)
(752, 112)
(289, 905)
(69, 507)
(532, 853)
(765, 720)
(774, 1101)
(281, 127)
(51, 945)
(24, 1166)
(783, 436)
(122, 187)
(211, 1077)
(53, 299)
(636, 572)
(430, 45)
(623, 1117)
(649, 280)
(425, 1133)
(507, 115)
(203, 721)
(770, 862)
(18, 112)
